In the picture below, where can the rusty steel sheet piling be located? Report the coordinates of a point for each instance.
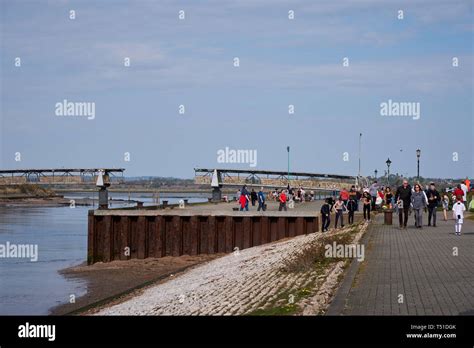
(139, 234)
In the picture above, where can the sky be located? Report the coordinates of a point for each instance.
(283, 61)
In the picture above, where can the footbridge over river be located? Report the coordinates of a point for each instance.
(58, 176)
(219, 178)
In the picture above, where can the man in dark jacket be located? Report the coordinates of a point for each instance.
(261, 200)
(433, 200)
(253, 197)
(351, 208)
(325, 215)
(331, 201)
(403, 199)
(353, 195)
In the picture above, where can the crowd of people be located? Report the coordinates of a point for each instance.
(283, 196)
(406, 200)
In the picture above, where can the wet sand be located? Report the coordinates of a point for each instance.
(107, 282)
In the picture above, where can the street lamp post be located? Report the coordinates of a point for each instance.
(288, 150)
(418, 154)
(375, 172)
(388, 162)
(360, 140)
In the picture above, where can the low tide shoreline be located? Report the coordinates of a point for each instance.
(44, 201)
(108, 282)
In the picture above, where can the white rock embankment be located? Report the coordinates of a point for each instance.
(234, 284)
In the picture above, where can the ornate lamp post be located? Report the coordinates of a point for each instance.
(388, 162)
(375, 172)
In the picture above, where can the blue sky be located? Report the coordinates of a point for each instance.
(282, 62)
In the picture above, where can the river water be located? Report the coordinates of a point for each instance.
(34, 287)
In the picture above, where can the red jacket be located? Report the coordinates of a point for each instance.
(344, 195)
(458, 192)
(282, 198)
(243, 201)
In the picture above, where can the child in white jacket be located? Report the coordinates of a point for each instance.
(458, 215)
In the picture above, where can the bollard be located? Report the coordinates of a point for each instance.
(388, 215)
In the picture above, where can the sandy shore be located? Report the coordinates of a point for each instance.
(107, 281)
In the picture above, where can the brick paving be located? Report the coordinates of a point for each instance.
(416, 264)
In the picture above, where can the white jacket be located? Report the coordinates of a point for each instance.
(458, 210)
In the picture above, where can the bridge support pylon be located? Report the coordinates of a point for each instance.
(216, 194)
(216, 184)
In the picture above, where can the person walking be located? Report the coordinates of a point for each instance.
(339, 207)
(433, 201)
(445, 203)
(261, 200)
(290, 193)
(253, 197)
(302, 194)
(418, 201)
(246, 194)
(325, 215)
(243, 202)
(458, 191)
(282, 199)
(458, 215)
(388, 197)
(380, 199)
(464, 196)
(344, 195)
(366, 204)
(353, 195)
(358, 197)
(403, 199)
(331, 201)
(373, 191)
(470, 204)
(351, 208)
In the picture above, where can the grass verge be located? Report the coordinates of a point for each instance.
(309, 260)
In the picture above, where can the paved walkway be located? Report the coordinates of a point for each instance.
(313, 206)
(415, 267)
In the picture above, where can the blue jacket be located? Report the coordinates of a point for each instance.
(261, 196)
